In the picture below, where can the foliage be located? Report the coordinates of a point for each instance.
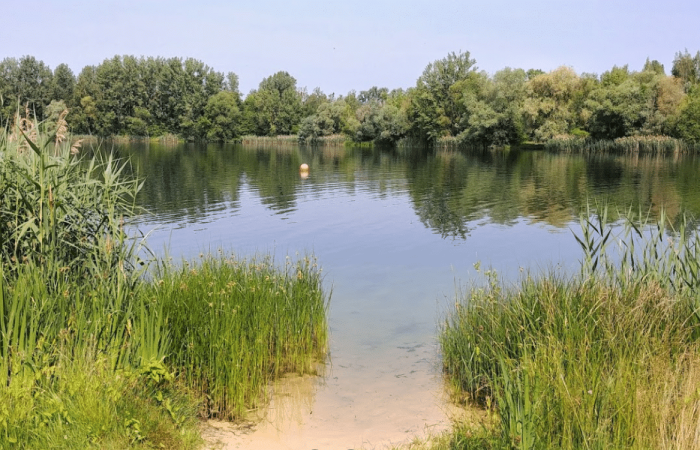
(451, 101)
(329, 119)
(548, 109)
(275, 108)
(222, 117)
(61, 210)
(687, 68)
(608, 359)
(434, 111)
(688, 125)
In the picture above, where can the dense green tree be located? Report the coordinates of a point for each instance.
(689, 117)
(275, 108)
(9, 68)
(52, 111)
(435, 111)
(687, 68)
(654, 66)
(617, 110)
(24, 83)
(548, 109)
(85, 93)
(374, 94)
(221, 117)
(330, 118)
(532, 73)
(34, 84)
(62, 85)
(312, 102)
(492, 108)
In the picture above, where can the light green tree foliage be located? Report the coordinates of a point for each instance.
(312, 102)
(687, 68)
(198, 84)
(381, 116)
(654, 66)
(330, 118)
(435, 110)
(548, 109)
(146, 96)
(384, 124)
(492, 109)
(617, 105)
(275, 108)
(668, 97)
(532, 73)
(231, 83)
(222, 116)
(84, 113)
(52, 113)
(637, 103)
(688, 125)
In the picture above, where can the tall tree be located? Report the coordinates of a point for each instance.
(435, 111)
(275, 108)
(687, 68)
(62, 85)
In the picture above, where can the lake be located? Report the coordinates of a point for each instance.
(397, 233)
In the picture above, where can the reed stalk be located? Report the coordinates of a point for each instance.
(599, 360)
(628, 144)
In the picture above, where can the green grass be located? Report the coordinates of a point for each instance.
(607, 359)
(98, 351)
(234, 325)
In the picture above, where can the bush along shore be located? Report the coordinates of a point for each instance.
(607, 359)
(100, 349)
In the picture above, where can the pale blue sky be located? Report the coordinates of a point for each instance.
(339, 46)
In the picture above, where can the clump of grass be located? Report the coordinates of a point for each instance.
(236, 324)
(80, 402)
(332, 140)
(606, 359)
(627, 144)
(291, 139)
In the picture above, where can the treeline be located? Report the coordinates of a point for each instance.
(452, 101)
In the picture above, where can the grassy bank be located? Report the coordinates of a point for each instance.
(607, 359)
(629, 144)
(100, 349)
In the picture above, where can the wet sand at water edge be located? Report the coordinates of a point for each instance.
(353, 406)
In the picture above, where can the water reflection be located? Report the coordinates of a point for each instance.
(448, 189)
(395, 231)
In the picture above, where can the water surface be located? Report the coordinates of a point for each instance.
(396, 232)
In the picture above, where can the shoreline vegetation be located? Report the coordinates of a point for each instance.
(157, 345)
(452, 104)
(609, 358)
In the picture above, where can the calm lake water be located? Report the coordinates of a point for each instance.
(397, 232)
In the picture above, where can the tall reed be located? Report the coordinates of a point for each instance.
(236, 324)
(291, 139)
(599, 360)
(627, 144)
